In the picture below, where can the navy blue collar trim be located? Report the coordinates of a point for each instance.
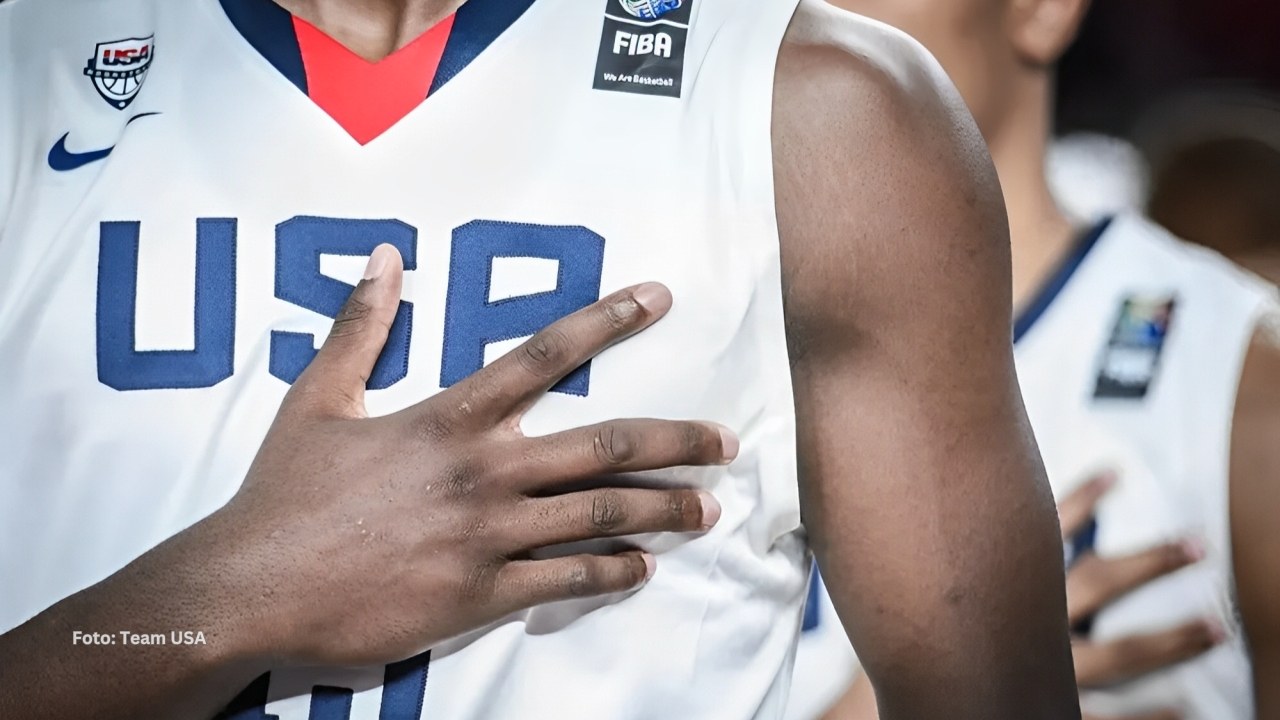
(1058, 281)
(269, 29)
(477, 24)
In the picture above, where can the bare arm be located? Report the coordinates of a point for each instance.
(1092, 583)
(1254, 506)
(180, 585)
(921, 485)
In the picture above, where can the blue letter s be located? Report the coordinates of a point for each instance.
(299, 244)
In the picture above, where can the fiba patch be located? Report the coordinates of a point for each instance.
(1132, 354)
(118, 68)
(642, 46)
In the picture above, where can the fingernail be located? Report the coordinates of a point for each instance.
(710, 509)
(653, 297)
(378, 262)
(650, 566)
(1193, 549)
(728, 445)
(1107, 479)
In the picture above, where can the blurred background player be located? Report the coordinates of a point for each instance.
(1147, 366)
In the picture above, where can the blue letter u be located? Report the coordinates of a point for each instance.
(120, 364)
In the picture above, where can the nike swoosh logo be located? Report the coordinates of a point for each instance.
(61, 159)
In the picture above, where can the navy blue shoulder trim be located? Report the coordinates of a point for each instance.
(269, 29)
(1056, 282)
(477, 24)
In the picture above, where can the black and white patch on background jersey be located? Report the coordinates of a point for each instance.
(1131, 357)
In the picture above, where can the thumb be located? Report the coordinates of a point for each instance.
(334, 382)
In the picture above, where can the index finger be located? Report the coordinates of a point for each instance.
(513, 382)
(1094, 582)
(334, 381)
(1123, 659)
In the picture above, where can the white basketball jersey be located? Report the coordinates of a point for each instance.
(1134, 366)
(187, 193)
(1129, 360)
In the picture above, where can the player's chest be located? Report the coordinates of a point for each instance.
(212, 229)
(183, 273)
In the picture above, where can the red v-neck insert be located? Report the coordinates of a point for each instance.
(367, 98)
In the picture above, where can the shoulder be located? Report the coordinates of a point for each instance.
(39, 35)
(1153, 251)
(860, 73)
(33, 30)
(862, 47)
(883, 183)
(52, 14)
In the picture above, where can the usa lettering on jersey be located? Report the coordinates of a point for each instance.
(472, 322)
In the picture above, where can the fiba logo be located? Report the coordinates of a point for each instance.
(644, 54)
(118, 68)
(650, 9)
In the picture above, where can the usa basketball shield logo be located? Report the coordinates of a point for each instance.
(118, 68)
